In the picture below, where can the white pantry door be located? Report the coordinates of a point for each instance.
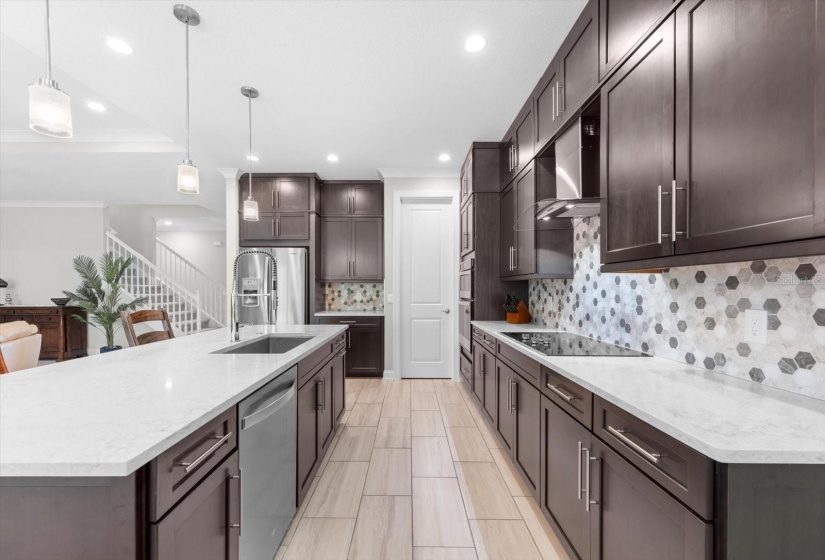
(427, 317)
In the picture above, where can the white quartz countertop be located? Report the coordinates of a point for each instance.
(366, 313)
(109, 414)
(727, 419)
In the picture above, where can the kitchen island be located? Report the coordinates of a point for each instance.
(85, 444)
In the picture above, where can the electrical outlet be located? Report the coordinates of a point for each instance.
(389, 298)
(756, 326)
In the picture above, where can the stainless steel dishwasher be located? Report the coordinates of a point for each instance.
(268, 453)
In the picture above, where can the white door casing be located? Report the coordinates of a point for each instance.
(426, 279)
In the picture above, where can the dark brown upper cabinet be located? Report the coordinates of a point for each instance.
(284, 206)
(480, 171)
(546, 96)
(280, 226)
(507, 244)
(352, 199)
(352, 249)
(622, 23)
(637, 152)
(747, 137)
(578, 62)
(519, 144)
(467, 227)
(291, 194)
(336, 259)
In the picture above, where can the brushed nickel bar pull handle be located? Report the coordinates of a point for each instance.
(273, 228)
(553, 99)
(561, 99)
(272, 192)
(620, 435)
(579, 474)
(659, 219)
(514, 399)
(347, 322)
(277, 197)
(686, 233)
(188, 467)
(240, 505)
(587, 490)
(562, 394)
(318, 392)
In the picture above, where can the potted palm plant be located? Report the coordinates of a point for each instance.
(100, 294)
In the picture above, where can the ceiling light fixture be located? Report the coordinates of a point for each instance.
(188, 178)
(95, 106)
(119, 46)
(253, 158)
(167, 223)
(50, 109)
(332, 158)
(250, 205)
(475, 43)
(444, 157)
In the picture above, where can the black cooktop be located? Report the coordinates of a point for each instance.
(568, 344)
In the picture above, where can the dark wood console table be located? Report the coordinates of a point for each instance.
(64, 337)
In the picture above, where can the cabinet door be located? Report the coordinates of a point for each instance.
(632, 517)
(507, 211)
(525, 251)
(50, 337)
(546, 100)
(465, 316)
(489, 401)
(335, 249)
(466, 367)
(263, 192)
(746, 137)
(365, 350)
(525, 136)
(367, 249)
(262, 230)
(526, 452)
(509, 164)
(467, 228)
(562, 443)
(466, 178)
(367, 200)
(338, 386)
(505, 420)
(637, 153)
(205, 524)
(326, 416)
(335, 199)
(308, 400)
(478, 372)
(292, 225)
(292, 194)
(579, 59)
(621, 24)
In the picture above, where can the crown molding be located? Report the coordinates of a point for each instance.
(53, 204)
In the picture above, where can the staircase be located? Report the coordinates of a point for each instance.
(193, 301)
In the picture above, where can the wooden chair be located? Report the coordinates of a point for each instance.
(146, 315)
(3, 368)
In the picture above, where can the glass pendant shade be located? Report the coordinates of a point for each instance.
(188, 179)
(50, 110)
(250, 210)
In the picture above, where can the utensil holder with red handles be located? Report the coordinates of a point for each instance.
(521, 316)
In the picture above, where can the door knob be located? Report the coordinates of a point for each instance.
(445, 311)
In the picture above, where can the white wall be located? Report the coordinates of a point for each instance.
(135, 225)
(390, 187)
(198, 247)
(37, 246)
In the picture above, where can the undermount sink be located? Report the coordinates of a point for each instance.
(271, 344)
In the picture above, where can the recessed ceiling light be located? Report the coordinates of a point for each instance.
(253, 158)
(332, 157)
(119, 46)
(167, 223)
(95, 106)
(444, 157)
(475, 43)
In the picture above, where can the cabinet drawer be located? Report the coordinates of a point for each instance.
(466, 366)
(38, 319)
(487, 340)
(571, 397)
(684, 472)
(173, 473)
(371, 321)
(527, 367)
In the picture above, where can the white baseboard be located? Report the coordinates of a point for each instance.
(390, 375)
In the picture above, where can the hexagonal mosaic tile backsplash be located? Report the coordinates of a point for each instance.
(696, 314)
(354, 296)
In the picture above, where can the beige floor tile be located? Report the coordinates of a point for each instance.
(393, 432)
(431, 457)
(487, 432)
(396, 408)
(421, 386)
(339, 490)
(354, 444)
(364, 415)
(436, 553)
(438, 514)
(281, 553)
(398, 390)
(457, 415)
(503, 540)
(325, 460)
(383, 530)
(545, 539)
(508, 472)
(354, 384)
(466, 444)
(485, 494)
(427, 423)
(390, 473)
(424, 401)
(321, 539)
(300, 513)
(443, 383)
(372, 394)
(349, 399)
(449, 395)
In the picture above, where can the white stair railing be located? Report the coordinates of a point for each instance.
(144, 279)
(175, 266)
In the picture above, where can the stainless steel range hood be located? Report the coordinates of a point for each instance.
(575, 193)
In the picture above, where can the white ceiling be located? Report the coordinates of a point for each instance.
(382, 84)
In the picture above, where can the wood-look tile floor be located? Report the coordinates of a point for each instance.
(414, 473)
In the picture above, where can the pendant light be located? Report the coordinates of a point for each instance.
(188, 178)
(50, 109)
(250, 205)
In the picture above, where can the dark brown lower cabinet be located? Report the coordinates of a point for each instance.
(505, 420)
(364, 343)
(326, 422)
(526, 451)
(206, 523)
(339, 368)
(308, 423)
(484, 377)
(478, 372)
(465, 365)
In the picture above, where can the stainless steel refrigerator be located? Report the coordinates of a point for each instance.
(268, 294)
